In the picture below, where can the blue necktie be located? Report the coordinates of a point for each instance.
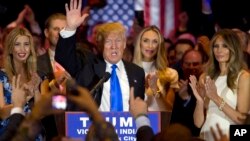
(115, 92)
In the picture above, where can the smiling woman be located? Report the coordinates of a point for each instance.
(19, 61)
(19, 49)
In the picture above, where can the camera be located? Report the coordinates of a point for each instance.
(59, 101)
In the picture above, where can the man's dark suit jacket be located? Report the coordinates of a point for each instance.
(88, 69)
(45, 70)
(44, 67)
(14, 122)
(184, 114)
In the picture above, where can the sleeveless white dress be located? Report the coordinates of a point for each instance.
(214, 115)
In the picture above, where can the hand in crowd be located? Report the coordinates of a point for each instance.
(151, 84)
(221, 136)
(137, 106)
(211, 90)
(35, 80)
(40, 51)
(31, 127)
(62, 77)
(83, 95)
(183, 84)
(32, 87)
(195, 87)
(85, 101)
(74, 14)
(2, 102)
(29, 14)
(26, 14)
(43, 106)
(18, 96)
(147, 81)
(21, 16)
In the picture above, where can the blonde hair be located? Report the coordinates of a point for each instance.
(30, 65)
(161, 60)
(53, 17)
(107, 28)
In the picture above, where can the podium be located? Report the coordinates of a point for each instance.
(76, 124)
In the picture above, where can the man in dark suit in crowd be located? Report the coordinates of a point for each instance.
(46, 64)
(88, 69)
(49, 68)
(185, 101)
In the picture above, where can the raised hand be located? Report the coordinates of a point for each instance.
(18, 96)
(29, 15)
(84, 100)
(62, 77)
(221, 137)
(21, 16)
(211, 90)
(34, 83)
(193, 85)
(43, 106)
(183, 89)
(151, 81)
(32, 87)
(137, 106)
(35, 80)
(74, 15)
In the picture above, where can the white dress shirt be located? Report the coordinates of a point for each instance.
(125, 89)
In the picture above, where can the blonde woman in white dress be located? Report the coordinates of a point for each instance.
(222, 93)
(161, 81)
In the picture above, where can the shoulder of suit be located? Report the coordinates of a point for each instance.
(133, 66)
(130, 64)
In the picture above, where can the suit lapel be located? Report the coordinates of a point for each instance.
(100, 69)
(129, 72)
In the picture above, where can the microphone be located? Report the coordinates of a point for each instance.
(101, 81)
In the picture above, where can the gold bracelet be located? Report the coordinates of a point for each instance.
(222, 104)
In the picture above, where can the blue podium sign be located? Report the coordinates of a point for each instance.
(78, 123)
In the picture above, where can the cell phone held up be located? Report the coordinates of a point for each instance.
(59, 101)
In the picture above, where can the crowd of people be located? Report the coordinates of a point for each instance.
(203, 82)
